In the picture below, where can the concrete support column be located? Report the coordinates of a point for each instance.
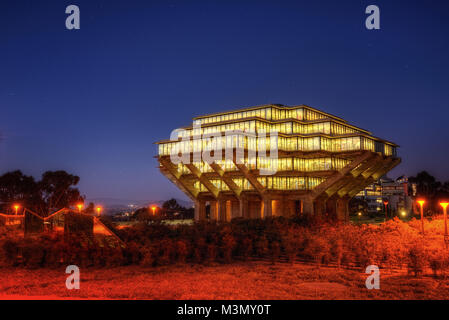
(342, 209)
(267, 210)
(200, 210)
(221, 209)
(235, 209)
(228, 214)
(214, 210)
(243, 207)
(331, 207)
(289, 207)
(320, 207)
(307, 206)
(277, 208)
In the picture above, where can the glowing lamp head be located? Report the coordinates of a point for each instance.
(421, 202)
(16, 207)
(80, 206)
(386, 203)
(98, 210)
(444, 205)
(153, 208)
(360, 214)
(403, 213)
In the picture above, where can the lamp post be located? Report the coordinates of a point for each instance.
(421, 204)
(16, 207)
(446, 237)
(98, 210)
(386, 209)
(153, 208)
(80, 207)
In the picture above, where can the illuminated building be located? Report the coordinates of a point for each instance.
(321, 162)
(396, 192)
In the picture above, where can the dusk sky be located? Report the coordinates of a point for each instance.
(93, 101)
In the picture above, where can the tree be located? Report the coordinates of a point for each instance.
(141, 214)
(428, 187)
(17, 187)
(53, 192)
(426, 184)
(57, 191)
(171, 206)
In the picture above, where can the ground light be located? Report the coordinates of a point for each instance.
(16, 207)
(444, 205)
(421, 205)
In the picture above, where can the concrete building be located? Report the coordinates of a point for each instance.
(396, 192)
(273, 160)
(372, 194)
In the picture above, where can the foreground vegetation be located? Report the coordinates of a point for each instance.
(392, 245)
(249, 280)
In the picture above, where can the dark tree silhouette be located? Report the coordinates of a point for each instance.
(17, 187)
(428, 187)
(57, 191)
(426, 184)
(171, 205)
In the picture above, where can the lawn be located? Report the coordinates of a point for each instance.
(249, 280)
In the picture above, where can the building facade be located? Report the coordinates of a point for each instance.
(395, 192)
(273, 160)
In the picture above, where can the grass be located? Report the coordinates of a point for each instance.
(250, 280)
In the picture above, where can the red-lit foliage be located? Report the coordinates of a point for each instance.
(394, 244)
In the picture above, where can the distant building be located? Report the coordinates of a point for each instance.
(321, 162)
(396, 192)
(372, 194)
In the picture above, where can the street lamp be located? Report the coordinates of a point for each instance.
(444, 205)
(386, 208)
(421, 204)
(16, 207)
(153, 208)
(80, 207)
(99, 210)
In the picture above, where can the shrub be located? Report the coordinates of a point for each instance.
(245, 247)
(182, 251)
(10, 252)
(33, 254)
(211, 253)
(261, 246)
(318, 249)
(437, 261)
(147, 257)
(416, 259)
(199, 250)
(227, 247)
(131, 254)
(275, 251)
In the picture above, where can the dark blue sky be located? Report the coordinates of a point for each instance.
(93, 101)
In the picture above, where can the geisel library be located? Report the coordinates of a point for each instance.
(313, 164)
